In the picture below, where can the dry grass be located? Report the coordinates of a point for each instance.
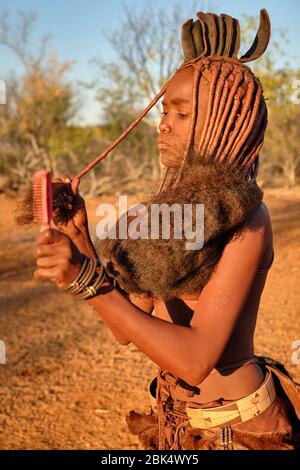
(67, 383)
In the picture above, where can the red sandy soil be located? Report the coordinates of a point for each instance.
(67, 383)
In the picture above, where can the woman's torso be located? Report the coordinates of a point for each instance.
(238, 381)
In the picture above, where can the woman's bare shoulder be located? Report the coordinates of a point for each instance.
(257, 228)
(259, 221)
(260, 218)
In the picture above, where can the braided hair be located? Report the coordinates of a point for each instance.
(235, 117)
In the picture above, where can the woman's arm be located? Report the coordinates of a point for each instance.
(84, 244)
(188, 352)
(166, 344)
(117, 328)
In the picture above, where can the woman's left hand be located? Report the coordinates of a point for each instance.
(58, 259)
(75, 214)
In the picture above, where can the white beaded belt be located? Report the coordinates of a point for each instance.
(235, 412)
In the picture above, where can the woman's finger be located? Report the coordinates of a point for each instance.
(46, 250)
(62, 179)
(47, 262)
(49, 236)
(49, 274)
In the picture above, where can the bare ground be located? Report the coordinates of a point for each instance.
(67, 383)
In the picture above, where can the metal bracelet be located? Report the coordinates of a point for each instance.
(86, 278)
(92, 290)
(89, 280)
(75, 283)
(90, 272)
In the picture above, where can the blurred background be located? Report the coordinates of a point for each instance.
(73, 75)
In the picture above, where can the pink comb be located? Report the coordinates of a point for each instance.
(42, 198)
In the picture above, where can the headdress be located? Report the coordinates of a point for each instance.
(228, 102)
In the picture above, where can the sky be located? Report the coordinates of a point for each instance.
(78, 28)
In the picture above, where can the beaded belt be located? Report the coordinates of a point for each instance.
(235, 412)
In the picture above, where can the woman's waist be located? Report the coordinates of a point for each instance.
(229, 385)
(215, 413)
(221, 385)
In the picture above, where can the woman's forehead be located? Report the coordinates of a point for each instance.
(180, 88)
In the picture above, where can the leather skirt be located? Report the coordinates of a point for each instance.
(168, 426)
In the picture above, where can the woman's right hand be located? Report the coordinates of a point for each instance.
(69, 210)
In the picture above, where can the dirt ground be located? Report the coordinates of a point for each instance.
(67, 383)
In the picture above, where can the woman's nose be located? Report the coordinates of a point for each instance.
(165, 127)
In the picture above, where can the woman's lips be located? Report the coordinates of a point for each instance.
(162, 145)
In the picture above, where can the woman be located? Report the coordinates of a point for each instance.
(211, 392)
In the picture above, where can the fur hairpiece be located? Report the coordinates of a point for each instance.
(165, 268)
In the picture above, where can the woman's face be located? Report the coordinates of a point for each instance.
(176, 118)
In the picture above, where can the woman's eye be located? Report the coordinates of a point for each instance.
(182, 116)
(163, 113)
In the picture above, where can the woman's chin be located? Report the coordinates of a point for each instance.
(169, 162)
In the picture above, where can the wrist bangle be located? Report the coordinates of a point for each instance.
(92, 289)
(91, 276)
(85, 278)
(75, 284)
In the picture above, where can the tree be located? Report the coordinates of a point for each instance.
(280, 156)
(147, 47)
(39, 106)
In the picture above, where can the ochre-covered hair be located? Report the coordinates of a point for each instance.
(229, 110)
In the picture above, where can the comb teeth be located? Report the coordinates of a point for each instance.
(42, 197)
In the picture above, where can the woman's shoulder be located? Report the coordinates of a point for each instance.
(258, 227)
(254, 232)
(259, 221)
(260, 218)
